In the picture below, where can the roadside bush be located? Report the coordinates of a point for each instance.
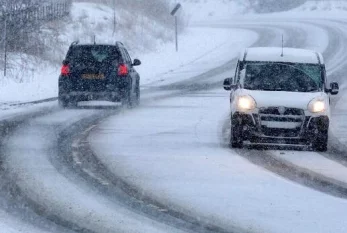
(266, 6)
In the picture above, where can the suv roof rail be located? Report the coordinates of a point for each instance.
(119, 43)
(75, 42)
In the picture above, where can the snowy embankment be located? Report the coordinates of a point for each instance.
(204, 10)
(33, 79)
(331, 9)
(325, 6)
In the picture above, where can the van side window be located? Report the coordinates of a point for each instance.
(324, 75)
(236, 73)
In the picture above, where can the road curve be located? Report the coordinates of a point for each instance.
(67, 162)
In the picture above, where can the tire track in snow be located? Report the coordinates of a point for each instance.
(105, 178)
(335, 53)
(193, 223)
(81, 158)
(263, 157)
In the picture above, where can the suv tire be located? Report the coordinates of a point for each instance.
(127, 100)
(138, 94)
(63, 103)
(67, 102)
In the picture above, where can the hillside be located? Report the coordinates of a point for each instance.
(35, 77)
(323, 6)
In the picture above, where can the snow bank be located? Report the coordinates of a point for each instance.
(323, 6)
(202, 10)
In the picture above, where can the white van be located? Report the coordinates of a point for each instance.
(280, 96)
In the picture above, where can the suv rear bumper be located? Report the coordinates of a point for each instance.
(254, 131)
(85, 96)
(80, 90)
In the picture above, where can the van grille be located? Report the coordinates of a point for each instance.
(281, 121)
(277, 111)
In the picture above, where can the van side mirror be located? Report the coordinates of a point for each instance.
(334, 88)
(136, 62)
(227, 84)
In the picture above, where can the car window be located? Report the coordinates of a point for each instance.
(125, 55)
(128, 56)
(92, 54)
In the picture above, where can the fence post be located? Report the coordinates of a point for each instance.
(5, 45)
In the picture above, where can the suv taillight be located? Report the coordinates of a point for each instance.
(123, 70)
(65, 70)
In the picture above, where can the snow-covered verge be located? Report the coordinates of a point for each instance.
(202, 10)
(316, 9)
(323, 6)
(200, 49)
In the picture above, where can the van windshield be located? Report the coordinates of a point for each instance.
(283, 77)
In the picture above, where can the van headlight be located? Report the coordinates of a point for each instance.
(317, 105)
(246, 103)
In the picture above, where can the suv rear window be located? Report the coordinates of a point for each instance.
(93, 54)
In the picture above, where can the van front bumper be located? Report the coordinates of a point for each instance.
(283, 131)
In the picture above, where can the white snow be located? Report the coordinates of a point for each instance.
(172, 149)
(200, 49)
(10, 224)
(62, 193)
(174, 154)
(323, 6)
(316, 163)
(202, 10)
(16, 112)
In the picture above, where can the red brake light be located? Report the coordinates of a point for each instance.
(65, 70)
(123, 70)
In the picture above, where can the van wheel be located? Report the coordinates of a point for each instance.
(236, 138)
(320, 142)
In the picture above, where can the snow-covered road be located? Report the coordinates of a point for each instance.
(171, 151)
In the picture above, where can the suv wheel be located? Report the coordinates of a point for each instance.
(66, 102)
(138, 94)
(127, 100)
(236, 138)
(320, 142)
(62, 102)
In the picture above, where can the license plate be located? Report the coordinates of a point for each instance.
(93, 76)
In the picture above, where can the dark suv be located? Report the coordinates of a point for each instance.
(99, 72)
